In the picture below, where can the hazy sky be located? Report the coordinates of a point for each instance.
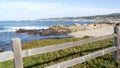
(36, 9)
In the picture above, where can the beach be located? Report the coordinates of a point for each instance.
(94, 32)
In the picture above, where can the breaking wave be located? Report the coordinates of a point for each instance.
(13, 29)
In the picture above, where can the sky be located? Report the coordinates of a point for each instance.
(37, 9)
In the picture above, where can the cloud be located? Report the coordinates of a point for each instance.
(32, 10)
(28, 5)
(27, 9)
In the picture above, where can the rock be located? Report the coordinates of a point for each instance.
(77, 24)
(20, 31)
(47, 32)
(2, 49)
(76, 27)
(61, 29)
(33, 32)
(56, 30)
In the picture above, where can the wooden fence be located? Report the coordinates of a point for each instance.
(17, 54)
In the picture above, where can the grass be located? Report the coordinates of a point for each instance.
(46, 59)
(48, 42)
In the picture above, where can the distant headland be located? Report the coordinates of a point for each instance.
(107, 17)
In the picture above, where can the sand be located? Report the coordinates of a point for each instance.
(94, 32)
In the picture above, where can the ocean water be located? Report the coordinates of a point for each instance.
(8, 28)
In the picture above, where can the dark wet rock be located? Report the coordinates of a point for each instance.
(2, 49)
(33, 32)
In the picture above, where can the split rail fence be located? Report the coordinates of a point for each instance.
(17, 53)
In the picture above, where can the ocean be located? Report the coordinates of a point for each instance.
(8, 28)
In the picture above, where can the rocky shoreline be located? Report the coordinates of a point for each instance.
(61, 29)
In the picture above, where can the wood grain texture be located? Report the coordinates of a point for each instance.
(17, 53)
(116, 43)
(4, 56)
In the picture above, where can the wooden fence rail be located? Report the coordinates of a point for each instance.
(83, 58)
(29, 52)
(17, 54)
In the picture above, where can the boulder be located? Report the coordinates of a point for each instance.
(56, 30)
(33, 32)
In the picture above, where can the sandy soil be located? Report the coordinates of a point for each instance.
(95, 32)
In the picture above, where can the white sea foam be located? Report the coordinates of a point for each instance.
(13, 29)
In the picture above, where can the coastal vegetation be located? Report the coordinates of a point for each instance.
(46, 59)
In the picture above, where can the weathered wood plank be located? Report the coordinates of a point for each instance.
(8, 55)
(116, 43)
(4, 56)
(63, 46)
(83, 58)
(17, 53)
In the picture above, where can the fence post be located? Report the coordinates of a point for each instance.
(17, 53)
(116, 43)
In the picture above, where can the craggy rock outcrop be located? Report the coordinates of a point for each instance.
(56, 30)
(32, 32)
(61, 29)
